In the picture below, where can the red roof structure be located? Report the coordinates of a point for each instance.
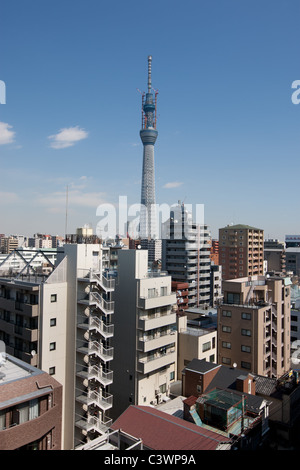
(161, 431)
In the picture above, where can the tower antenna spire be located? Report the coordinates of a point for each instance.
(149, 73)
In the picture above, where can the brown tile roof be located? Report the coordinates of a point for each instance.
(161, 431)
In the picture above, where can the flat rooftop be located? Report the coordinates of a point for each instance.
(12, 369)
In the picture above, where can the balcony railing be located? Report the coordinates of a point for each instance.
(103, 400)
(106, 307)
(92, 423)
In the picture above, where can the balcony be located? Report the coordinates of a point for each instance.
(94, 347)
(157, 301)
(145, 365)
(90, 276)
(104, 401)
(150, 343)
(94, 323)
(96, 299)
(94, 424)
(96, 373)
(146, 322)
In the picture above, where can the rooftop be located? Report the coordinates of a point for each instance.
(240, 227)
(12, 369)
(162, 431)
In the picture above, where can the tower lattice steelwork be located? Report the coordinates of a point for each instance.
(148, 134)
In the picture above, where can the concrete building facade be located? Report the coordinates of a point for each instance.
(30, 407)
(254, 325)
(241, 251)
(145, 340)
(62, 324)
(186, 257)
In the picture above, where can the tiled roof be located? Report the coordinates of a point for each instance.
(160, 431)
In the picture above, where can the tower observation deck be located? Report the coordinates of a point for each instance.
(148, 134)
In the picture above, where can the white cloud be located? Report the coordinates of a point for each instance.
(8, 197)
(67, 137)
(75, 198)
(174, 184)
(6, 134)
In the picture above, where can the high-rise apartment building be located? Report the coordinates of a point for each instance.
(254, 325)
(186, 257)
(145, 339)
(62, 324)
(241, 251)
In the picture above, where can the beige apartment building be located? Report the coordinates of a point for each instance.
(241, 251)
(254, 325)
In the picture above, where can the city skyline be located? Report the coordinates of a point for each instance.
(228, 129)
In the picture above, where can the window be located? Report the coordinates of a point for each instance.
(226, 345)
(246, 365)
(53, 298)
(172, 375)
(52, 371)
(246, 316)
(233, 298)
(52, 321)
(226, 360)
(246, 349)
(52, 346)
(226, 313)
(163, 291)
(245, 332)
(206, 346)
(151, 293)
(226, 329)
(2, 419)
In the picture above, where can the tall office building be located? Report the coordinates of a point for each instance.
(241, 251)
(145, 339)
(148, 134)
(254, 325)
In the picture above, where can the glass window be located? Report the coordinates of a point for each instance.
(206, 346)
(52, 346)
(52, 321)
(246, 316)
(23, 413)
(33, 409)
(2, 419)
(226, 329)
(53, 298)
(226, 313)
(246, 332)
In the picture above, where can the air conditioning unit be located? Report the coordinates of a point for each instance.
(159, 398)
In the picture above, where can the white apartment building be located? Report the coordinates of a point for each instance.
(145, 338)
(62, 325)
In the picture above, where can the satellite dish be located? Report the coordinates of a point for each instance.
(139, 247)
(234, 364)
(33, 353)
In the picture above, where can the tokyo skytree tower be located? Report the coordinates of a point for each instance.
(148, 134)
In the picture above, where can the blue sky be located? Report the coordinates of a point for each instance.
(228, 130)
